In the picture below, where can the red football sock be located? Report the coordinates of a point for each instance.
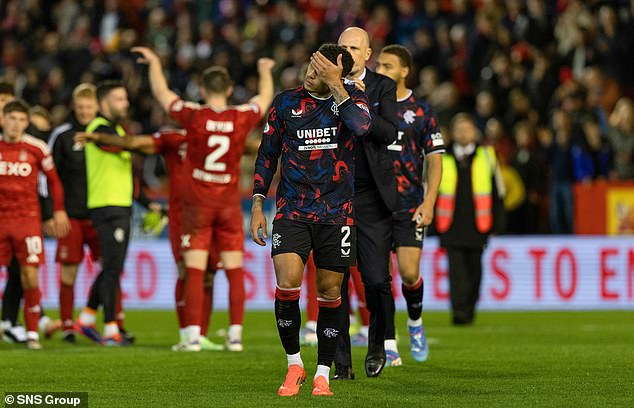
(208, 304)
(179, 298)
(237, 296)
(194, 288)
(32, 308)
(312, 308)
(66, 304)
(355, 274)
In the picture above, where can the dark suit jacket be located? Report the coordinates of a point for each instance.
(381, 93)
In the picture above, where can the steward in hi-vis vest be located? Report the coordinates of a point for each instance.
(109, 198)
(468, 209)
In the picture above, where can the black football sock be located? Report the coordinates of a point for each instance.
(328, 330)
(288, 318)
(414, 297)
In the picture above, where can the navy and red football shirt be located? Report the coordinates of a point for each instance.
(418, 135)
(315, 139)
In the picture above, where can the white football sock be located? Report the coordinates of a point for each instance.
(391, 345)
(193, 333)
(110, 330)
(294, 359)
(32, 335)
(87, 319)
(235, 332)
(323, 371)
(415, 323)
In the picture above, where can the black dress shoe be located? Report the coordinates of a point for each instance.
(129, 337)
(374, 362)
(343, 372)
(462, 321)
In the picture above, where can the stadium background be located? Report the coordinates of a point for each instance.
(517, 66)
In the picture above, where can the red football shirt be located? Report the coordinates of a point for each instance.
(172, 145)
(20, 164)
(215, 145)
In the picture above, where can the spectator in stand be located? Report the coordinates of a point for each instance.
(532, 56)
(621, 136)
(559, 158)
(525, 219)
(592, 158)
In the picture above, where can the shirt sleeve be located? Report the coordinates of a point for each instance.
(183, 112)
(355, 112)
(106, 148)
(47, 166)
(432, 137)
(269, 152)
(249, 115)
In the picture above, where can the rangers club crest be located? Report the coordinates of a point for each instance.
(335, 108)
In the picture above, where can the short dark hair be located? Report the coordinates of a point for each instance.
(332, 51)
(216, 80)
(403, 54)
(16, 105)
(6, 88)
(105, 87)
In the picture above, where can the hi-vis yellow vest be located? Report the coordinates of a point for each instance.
(109, 175)
(482, 171)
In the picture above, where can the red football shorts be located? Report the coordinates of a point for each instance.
(22, 238)
(221, 225)
(176, 236)
(70, 249)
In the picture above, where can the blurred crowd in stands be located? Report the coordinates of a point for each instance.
(549, 83)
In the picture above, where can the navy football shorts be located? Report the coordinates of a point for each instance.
(334, 246)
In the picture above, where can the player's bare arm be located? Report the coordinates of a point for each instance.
(258, 221)
(141, 143)
(424, 214)
(158, 83)
(265, 85)
(331, 75)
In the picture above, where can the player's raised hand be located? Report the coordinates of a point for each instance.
(329, 72)
(265, 64)
(258, 222)
(147, 55)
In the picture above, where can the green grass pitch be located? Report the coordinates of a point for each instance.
(507, 359)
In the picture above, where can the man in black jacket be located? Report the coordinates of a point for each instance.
(468, 210)
(375, 199)
(71, 164)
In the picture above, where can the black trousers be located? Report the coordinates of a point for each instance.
(374, 242)
(465, 275)
(113, 229)
(12, 293)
